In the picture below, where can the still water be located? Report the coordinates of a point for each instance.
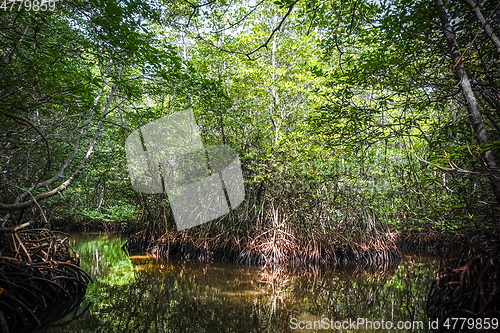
(141, 294)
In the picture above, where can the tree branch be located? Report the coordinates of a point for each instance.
(64, 185)
(195, 7)
(240, 20)
(265, 44)
(49, 157)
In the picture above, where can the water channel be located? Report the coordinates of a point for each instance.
(139, 293)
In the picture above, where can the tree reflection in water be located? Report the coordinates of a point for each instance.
(142, 294)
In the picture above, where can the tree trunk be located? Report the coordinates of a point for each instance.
(24, 204)
(274, 94)
(487, 28)
(472, 106)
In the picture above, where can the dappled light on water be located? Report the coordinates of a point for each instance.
(142, 294)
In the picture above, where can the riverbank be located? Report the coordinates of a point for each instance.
(274, 249)
(273, 246)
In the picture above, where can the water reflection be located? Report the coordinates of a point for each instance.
(140, 294)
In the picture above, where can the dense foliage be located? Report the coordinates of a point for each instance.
(350, 117)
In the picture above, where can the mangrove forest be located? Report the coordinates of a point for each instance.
(249, 166)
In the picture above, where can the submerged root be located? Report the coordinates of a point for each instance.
(271, 248)
(467, 289)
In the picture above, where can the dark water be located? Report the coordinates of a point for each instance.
(141, 294)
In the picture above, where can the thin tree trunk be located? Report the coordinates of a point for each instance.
(487, 28)
(274, 93)
(472, 106)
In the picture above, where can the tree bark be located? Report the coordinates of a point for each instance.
(472, 105)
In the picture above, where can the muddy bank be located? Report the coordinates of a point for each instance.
(383, 251)
(70, 226)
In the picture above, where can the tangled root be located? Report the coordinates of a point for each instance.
(470, 289)
(40, 281)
